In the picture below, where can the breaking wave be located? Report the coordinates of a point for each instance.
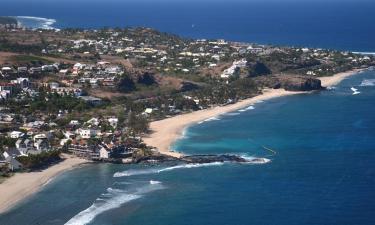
(368, 83)
(111, 199)
(232, 114)
(135, 172)
(209, 119)
(254, 160)
(36, 22)
(247, 109)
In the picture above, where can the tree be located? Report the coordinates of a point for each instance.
(139, 124)
(146, 79)
(258, 69)
(126, 84)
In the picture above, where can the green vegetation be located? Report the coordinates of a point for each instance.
(137, 123)
(126, 84)
(7, 46)
(6, 142)
(26, 59)
(39, 161)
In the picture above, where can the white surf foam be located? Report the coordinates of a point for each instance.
(36, 22)
(331, 88)
(255, 160)
(209, 119)
(154, 182)
(112, 199)
(135, 172)
(368, 83)
(364, 53)
(232, 114)
(251, 107)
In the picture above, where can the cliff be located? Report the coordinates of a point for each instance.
(290, 82)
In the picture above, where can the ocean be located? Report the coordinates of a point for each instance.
(322, 173)
(323, 170)
(342, 25)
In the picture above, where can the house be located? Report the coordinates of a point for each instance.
(35, 70)
(41, 145)
(16, 134)
(5, 94)
(68, 91)
(85, 151)
(48, 68)
(4, 86)
(54, 85)
(113, 122)
(88, 133)
(93, 121)
(6, 70)
(13, 163)
(91, 100)
(23, 145)
(64, 71)
(74, 123)
(104, 152)
(22, 69)
(21, 82)
(41, 137)
(11, 152)
(148, 110)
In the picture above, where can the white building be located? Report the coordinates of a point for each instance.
(87, 133)
(16, 134)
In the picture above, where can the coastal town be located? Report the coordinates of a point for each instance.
(92, 94)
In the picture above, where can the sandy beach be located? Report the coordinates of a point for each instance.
(166, 132)
(337, 78)
(23, 185)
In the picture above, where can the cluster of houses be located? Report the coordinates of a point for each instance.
(24, 146)
(83, 139)
(8, 88)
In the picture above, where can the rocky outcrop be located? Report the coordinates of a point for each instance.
(199, 159)
(300, 83)
(290, 82)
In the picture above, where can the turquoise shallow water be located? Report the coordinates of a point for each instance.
(323, 172)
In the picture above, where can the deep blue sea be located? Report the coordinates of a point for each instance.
(334, 24)
(324, 169)
(323, 172)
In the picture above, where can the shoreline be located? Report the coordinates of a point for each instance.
(167, 131)
(23, 185)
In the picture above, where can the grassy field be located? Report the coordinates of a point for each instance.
(28, 59)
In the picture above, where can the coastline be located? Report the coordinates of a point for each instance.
(22, 185)
(165, 132)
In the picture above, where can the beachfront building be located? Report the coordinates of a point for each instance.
(85, 151)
